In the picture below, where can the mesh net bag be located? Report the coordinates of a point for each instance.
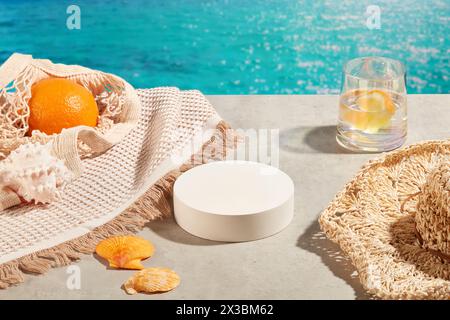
(116, 99)
(433, 211)
(119, 190)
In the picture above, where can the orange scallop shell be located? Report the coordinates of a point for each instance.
(125, 252)
(152, 280)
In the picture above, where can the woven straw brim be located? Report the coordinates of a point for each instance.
(368, 222)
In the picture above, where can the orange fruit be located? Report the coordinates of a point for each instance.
(58, 103)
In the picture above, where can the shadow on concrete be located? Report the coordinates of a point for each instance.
(168, 229)
(310, 139)
(314, 240)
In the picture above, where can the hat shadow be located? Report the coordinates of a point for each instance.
(315, 241)
(406, 243)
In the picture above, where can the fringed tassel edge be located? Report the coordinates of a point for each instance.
(155, 203)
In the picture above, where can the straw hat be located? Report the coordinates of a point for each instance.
(393, 221)
(433, 212)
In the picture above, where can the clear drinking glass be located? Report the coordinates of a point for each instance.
(372, 106)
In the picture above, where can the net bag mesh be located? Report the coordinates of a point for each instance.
(20, 72)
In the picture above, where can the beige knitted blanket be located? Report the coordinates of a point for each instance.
(118, 191)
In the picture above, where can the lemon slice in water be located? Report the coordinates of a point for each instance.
(378, 107)
(375, 101)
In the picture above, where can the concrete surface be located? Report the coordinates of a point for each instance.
(297, 263)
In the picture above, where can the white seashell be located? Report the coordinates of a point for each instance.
(34, 173)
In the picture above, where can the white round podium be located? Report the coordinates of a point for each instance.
(233, 201)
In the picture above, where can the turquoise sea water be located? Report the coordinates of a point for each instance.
(234, 46)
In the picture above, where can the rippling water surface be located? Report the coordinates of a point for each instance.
(234, 46)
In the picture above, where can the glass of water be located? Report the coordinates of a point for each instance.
(372, 106)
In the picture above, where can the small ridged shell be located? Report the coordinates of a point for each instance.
(152, 280)
(125, 252)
